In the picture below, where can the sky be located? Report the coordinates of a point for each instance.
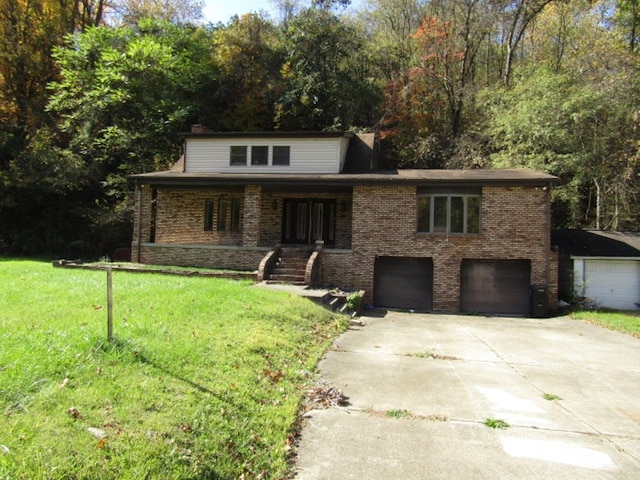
(222, 10)
(215, 11)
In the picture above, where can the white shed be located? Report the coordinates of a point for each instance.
(603, 266)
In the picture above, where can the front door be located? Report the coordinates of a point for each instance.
(307, 220)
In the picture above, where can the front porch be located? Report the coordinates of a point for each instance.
(242, 227)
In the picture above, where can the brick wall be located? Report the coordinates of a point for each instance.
(224, 257)
(514, 225)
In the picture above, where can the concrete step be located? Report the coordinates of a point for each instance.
(287, 278)
(289, 271)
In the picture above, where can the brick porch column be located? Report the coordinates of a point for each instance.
(142, 219)
(251, 218)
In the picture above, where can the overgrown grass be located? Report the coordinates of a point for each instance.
(626, 322)
(203, 380)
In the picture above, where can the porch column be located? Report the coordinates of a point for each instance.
(142, 220)
(251, 225)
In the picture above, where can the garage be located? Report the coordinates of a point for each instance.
(497, 287)
(602, 267)
(403, 282)
(612, 283)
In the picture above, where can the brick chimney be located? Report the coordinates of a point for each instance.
(199, 128)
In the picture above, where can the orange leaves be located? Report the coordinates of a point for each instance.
(433, 29)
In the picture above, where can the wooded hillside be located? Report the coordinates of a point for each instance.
(94, 90)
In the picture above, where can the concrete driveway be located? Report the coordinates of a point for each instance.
(421, 387)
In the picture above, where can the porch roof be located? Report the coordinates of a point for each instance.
(476, 177)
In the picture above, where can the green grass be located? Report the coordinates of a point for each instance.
(626, 322)
(496, 423)
(551, 397)
(398, 413)
(203, 380)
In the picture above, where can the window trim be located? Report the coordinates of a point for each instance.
(431, 196)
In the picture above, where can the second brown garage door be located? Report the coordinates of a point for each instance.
(403, 282)
(495, 287)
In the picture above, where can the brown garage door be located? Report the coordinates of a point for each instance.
(495, 287)
(403, 282)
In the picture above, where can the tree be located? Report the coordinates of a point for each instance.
(178, 12)
(517, 18)
(325, 86)
(248, 56)
(123, 96)
(584, 132)
(30, 30)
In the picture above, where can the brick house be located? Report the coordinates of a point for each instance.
(311, 208)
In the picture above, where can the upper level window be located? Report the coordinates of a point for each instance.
(238, 155)
(441, 212)
(260, 155)
(281, 155)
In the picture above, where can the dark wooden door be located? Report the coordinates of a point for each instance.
(307, 220)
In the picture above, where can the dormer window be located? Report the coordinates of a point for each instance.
(260, 155)
(281, 155)
(239, 155)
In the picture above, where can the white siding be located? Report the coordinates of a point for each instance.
(612, 283)
(307, 155)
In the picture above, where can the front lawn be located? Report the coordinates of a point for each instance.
(626, 322)
(203, 380)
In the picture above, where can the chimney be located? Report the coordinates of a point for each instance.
(199, 128)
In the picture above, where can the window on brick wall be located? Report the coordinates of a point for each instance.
(234, 224)
(444, 212)
(228, 219)
(208, 214)
(223, 207)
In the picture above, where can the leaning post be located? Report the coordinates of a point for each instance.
(109, 304)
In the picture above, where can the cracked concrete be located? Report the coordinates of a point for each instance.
(451, 373)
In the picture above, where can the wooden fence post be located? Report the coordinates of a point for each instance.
(109, 305)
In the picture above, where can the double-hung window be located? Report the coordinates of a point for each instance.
(260, 155)
(281, 154)
(445, 212)
(238, 155)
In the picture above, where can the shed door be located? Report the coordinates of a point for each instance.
(613, 283)
(403, 282)
(495, 287)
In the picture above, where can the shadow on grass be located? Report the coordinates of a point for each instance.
(127, 347)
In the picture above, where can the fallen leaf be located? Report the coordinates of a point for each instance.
(102, 443)
(74, 413)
